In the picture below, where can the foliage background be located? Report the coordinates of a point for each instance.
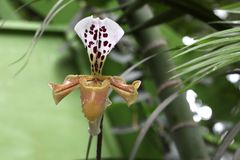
(32, 127)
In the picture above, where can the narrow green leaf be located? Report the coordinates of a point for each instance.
(228, 49)
(149, 122)
(226, 141)
(208, 44)
(210, 61)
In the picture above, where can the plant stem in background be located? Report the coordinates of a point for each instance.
(228, 138)
(89, 146)
(187, 137)
(99, 142)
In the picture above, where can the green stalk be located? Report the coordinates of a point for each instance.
(99, 142)
(89, 146)
(187, 137)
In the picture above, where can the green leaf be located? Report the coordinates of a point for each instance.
(7, 11)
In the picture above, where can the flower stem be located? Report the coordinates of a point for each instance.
(89, 146)
(99, 142)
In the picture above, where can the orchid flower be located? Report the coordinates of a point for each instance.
(99, 37)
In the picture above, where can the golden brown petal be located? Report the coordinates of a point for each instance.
(61, 90)
(127, 92)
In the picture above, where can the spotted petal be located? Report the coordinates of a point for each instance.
(99, 36)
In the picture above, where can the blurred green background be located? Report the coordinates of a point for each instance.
(33, 127)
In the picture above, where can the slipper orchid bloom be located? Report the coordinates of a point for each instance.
(99, 37)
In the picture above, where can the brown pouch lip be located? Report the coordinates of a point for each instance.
(93, 97)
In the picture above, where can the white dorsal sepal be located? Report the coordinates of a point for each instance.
(99, 36)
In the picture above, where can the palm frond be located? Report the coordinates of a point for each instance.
(217, 50)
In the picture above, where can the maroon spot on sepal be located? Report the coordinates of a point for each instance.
(95, 49)
(90, 44)
(103, 29)
(102, 58)
(101, 64)
(105, 35)
(92, 27)
(99, 43)
(99, 54)
(105, 43)
(95, 36)
(91, 57)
